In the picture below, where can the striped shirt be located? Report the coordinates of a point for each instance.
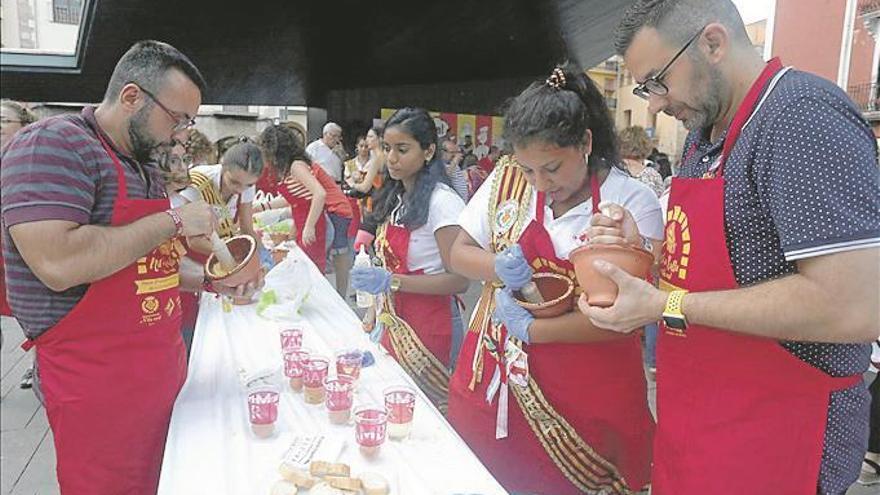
(336, 202)
(56, 169)
(458, 178)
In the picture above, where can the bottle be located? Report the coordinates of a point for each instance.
(364, 299)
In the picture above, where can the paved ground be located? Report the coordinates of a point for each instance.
(27, 456)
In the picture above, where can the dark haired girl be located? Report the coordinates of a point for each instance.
(580, 423)
(416, 213)
(309, 192)
(229, 188)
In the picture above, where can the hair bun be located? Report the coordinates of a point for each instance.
(556, 79)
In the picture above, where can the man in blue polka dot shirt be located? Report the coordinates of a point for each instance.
(771, 266)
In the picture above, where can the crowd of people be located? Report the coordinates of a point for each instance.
(756, 320)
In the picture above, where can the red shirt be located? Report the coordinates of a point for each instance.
(336, 202)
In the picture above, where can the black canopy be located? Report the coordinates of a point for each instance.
(462, 55)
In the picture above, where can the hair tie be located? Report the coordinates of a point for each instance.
(556, 79)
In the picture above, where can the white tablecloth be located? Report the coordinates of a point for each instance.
(210, 449)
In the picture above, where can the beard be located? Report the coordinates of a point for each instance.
(142, 143)
(708, 97)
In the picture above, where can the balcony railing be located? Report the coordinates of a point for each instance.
(866, 96)
(66, 11)
(868, 6)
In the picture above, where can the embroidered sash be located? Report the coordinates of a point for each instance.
(227, 226)
(578, 462)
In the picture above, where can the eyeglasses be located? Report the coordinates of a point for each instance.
(654, 85)
(180, 124)
(171, 161)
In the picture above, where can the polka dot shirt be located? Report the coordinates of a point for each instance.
(803, 181)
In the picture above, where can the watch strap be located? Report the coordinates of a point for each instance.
(674, 303)
(395, 283)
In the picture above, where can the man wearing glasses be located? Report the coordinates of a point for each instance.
(770, 273)
(94, 269)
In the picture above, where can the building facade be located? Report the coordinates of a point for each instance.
(836, 39)
(49, 26)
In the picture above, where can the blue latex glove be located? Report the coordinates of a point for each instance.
(265, 257)
(371, 279)
(368, 359)
(512, 268)
(516, 318)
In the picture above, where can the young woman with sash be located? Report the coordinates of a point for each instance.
(416, 212)
(309, 192)
(229, 188)
(573, 416)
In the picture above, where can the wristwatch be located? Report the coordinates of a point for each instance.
(672, 315)
(395, 283)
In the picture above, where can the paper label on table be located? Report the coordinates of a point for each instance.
(301, 451)
(329, 450)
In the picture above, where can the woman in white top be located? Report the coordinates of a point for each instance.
(229, 188)
(575, 417)
(416, 213)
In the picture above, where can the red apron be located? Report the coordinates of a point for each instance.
(599, 388)
(111, 369)
(430, 316)
(724, 399)
(299, 209)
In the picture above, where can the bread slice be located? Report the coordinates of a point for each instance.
(344, 483)
(374, 484)
(321, 469)
(322, 488)
(284, 487)
(300, 477)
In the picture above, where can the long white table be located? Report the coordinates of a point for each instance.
(210, 449)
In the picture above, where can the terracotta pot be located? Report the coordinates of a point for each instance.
(244, 250)
(601, 290)
(278, 255)
(558, 293)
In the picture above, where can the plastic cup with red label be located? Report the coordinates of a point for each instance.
(340, 395)
(349, 362)
(262, 402)
(370, 427)
(314, 374)
(291, 339)
(400, 403)
(294, 362)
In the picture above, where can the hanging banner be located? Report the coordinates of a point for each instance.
(478, 132)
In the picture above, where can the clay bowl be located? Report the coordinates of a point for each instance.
(601, 290)
(244, 250)
(558, 293)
